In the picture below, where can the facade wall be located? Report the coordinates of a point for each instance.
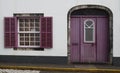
(58, 9)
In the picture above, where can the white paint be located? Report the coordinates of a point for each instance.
(58, 9)
(18, 71)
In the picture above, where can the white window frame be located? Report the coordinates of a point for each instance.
(93, 41)
(35, 46)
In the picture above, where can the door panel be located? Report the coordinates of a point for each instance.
(75, 40)
(88, 49)
(102, 40)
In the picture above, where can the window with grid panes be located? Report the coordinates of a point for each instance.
(29, 32)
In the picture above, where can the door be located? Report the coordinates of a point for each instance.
(89, 39)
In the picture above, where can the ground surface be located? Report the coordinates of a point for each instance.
(38, 71)
(49, 68)
(32, 71)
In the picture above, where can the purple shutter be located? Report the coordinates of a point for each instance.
(46, 32)
(10, 32)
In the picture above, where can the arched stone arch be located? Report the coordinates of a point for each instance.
(86, 10)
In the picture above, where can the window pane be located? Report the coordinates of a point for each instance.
(89, 23)
(31, 38)
(22, 34)
(37, 35)
(31, 20)
(36, 29)
(21, 38)
(32, 29)
(26, 20)
(21, 43)
(31, 43)
(27, 39)
(26, 43)
(27, 34)
(22, 29)
(31, 24)
(89, 34)
(37, 39)
(26, 29)
(21, 24)
(27, 24)
(32, 34)
(21, 20)
(89, 30)
(37, 43)
(36, 20)
(37, 24)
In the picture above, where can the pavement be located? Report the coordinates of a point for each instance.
(91, 68)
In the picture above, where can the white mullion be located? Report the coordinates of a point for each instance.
(24, 38)
(34, 24)
(24, 30)
(29, 30)
(29, 24)
(29, 40)
(34, 31)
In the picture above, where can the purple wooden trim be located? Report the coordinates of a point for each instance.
(75, 39)
(42, 39)
(6, 32)
(96, 37)
(46, 31)
(51, 31)
(103, 41)
(9, 39)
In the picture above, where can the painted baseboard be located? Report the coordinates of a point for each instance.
(33, 59)
(116, 61)
(43, 59)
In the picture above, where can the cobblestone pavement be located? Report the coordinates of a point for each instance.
(32, 71)
(18, 71)
(37, 71)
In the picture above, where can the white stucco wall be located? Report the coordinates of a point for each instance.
(58, 9)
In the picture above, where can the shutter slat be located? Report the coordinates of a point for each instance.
(9, 32)
(46, 32)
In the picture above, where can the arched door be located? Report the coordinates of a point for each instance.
(89, 36)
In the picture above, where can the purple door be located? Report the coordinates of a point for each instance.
(89, 42)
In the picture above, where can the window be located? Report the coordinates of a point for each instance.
(89, 31)
(29, 31)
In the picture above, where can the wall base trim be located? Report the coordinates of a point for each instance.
(43, 59)
(116, 61)
(33, 59)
